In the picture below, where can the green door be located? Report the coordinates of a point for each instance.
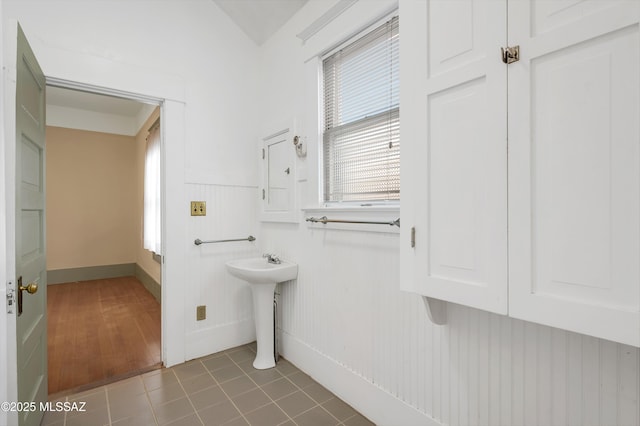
(30, 233)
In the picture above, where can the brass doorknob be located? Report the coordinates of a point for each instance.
(31, 288)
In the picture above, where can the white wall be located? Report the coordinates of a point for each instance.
(231, 214)
(191, 42)
(346, 323)
(191, 55)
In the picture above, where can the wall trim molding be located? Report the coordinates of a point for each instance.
(326, 18)
(152, 286)
(211, 340)
(87, 273)
(370, 400)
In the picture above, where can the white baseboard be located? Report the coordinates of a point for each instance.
(373, 402)
(211, 340)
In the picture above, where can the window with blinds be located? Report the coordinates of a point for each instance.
(362, 119)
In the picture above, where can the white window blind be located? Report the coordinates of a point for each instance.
(362, 118)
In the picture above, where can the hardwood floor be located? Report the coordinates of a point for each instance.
(100, 331)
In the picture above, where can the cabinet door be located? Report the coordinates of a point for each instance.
(574, 166)
(454, 151)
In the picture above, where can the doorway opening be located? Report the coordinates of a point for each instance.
(104, 287)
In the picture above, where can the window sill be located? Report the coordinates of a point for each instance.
(375, 213)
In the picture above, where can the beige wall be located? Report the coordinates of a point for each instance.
(143, 257)
(91, 198)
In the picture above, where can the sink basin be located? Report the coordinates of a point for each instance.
(257, 270)
(262, 277)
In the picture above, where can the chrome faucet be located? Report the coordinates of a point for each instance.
(272, 258)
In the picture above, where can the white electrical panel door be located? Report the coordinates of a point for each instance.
(574, 166)
(454, 151)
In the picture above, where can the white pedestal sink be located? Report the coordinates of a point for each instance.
(263, 276)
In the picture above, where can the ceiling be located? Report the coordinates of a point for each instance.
(73, 109)
(260, 19)
(68, 98)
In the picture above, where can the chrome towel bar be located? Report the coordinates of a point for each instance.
(324, 220)
(198, 241)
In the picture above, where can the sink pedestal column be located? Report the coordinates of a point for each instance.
(263, 317)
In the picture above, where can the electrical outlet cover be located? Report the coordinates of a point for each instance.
(201, 312)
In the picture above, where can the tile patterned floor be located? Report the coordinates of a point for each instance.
(221, 389)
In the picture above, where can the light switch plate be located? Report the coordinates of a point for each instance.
(198, 208)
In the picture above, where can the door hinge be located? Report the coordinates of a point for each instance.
(263, 195)
(11, 300)
(510, 54)
(413, 236)
(263, 153)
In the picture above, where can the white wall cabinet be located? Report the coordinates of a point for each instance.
(278, 171)
(521, 182)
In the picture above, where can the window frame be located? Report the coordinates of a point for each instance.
(347, 207)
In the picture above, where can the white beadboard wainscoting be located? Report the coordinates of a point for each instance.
(345, 322)
(231, 213)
